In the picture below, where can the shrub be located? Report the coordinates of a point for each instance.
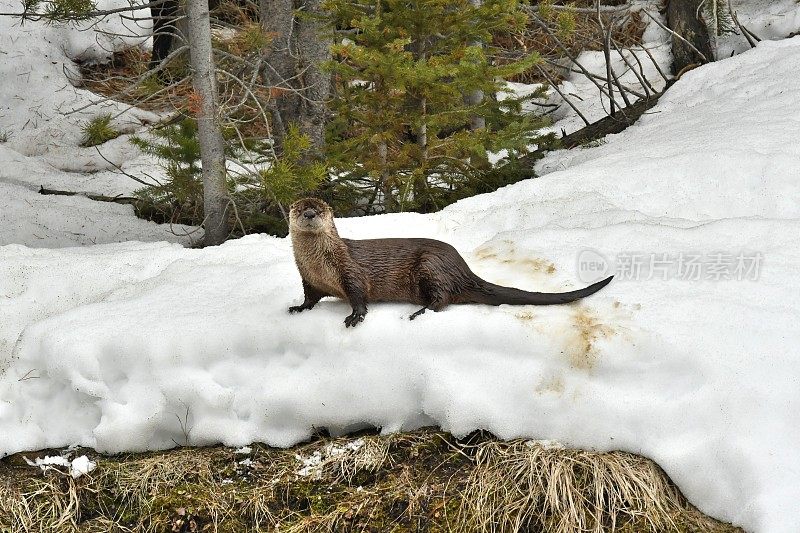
(98, 130)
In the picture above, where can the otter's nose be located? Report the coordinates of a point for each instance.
(309, 213)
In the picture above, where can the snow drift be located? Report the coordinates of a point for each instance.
(140, 346)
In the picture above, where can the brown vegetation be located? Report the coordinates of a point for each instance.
(419, 481)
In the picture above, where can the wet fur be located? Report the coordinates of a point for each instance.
(426, 272)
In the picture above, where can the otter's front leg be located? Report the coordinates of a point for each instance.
(356, 292)
(311, 297)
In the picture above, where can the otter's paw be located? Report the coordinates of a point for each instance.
(354, 318)
(297, 308)
(416, 314)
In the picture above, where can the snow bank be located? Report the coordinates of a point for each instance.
(40, 109)
(141, 346)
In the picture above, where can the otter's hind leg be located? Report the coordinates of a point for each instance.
(415, 314)
(436, 306)
(431, 288)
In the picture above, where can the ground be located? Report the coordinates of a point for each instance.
(425, 480)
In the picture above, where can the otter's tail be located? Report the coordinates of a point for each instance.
(492, 294)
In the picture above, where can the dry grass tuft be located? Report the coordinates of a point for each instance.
(534, 486)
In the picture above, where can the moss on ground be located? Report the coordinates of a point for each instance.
(421, 481)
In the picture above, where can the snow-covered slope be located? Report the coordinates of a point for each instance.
(41, 116)
(39, 108)
(767, 19)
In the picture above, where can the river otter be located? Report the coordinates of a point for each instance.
(425, 272)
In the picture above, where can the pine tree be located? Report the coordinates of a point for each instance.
(402, 111)
(179, 195)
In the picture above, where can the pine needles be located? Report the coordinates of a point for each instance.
(98, 130)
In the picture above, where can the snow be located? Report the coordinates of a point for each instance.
(103, 346)
(767, 19)
(41, 117)
(138, 346)
(80, 466)
(314, 465)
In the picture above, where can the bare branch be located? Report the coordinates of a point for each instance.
(563, 96)
(676, 35)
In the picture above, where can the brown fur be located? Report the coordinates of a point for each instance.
(425, 272)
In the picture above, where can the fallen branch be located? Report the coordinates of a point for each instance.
(597, 130)
(119, 199)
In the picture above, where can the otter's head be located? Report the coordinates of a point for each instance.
(310, 215)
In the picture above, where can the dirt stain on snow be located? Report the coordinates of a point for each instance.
(508, 256)
(552, 384)
(525, 316)
(486, 253)
(586, 331)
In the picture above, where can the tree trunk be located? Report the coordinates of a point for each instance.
(170, 30)
(422, 197)
(277, 20)
(683, 19)
(475, 97)
(389, 202)
(216, 203)
(314, 51)
(294, 68)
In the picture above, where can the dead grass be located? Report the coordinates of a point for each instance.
(123, 79)
(420, 481)
(529, 486)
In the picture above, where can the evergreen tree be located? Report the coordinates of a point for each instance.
(179, 195)
(181, 191)
(402, 107)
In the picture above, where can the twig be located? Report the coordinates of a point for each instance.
(539, 22)
(607, 48)
(643, 81)
(28, 375)
(655, 63)
(131, 176)
(698, 52)
(745, 31)
(572, 9)
(563, 96)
